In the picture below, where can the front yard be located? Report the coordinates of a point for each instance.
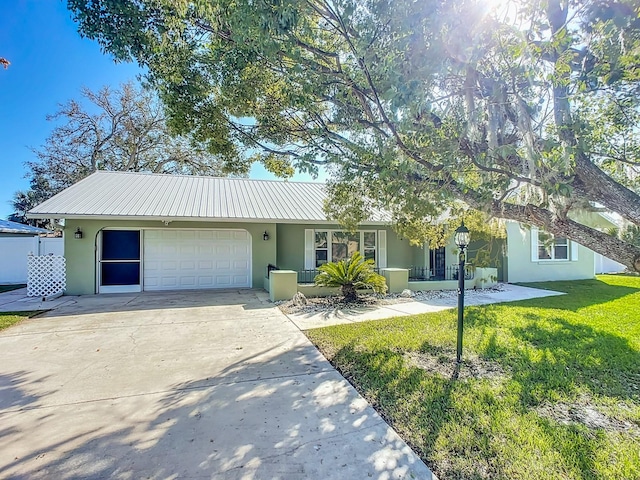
(549, 389)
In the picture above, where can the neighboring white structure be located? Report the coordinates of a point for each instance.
(16, 242)
(606, 265)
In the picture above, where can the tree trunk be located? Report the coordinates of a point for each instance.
(349, 292)
(596, 185)
(600, 242)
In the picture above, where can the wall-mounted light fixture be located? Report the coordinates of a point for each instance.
(78, 234)
(265, 236)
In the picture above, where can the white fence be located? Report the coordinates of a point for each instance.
(606, 265)
(47, 276)
(14, 252)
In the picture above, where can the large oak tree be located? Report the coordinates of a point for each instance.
(527, 111)
(122, 129)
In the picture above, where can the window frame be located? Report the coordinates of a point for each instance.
(550, 247)
(361, 246)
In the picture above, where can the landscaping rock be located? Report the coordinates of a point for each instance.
(406, 293)
(299, 299)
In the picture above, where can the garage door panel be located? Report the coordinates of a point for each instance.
(168, 265)
(188, 281)
(223, 235)
(206, 235)
(168, 234)
(240, 265)
(167, 281)
(175, 259)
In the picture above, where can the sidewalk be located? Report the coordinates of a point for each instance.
(506, 293)
(17, 301)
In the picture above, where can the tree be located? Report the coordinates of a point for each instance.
(124, 130)
(350, 275)
(527, 112)
(23, 201)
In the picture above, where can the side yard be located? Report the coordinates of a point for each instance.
(549, 389)
(11, 318)
(9, 288)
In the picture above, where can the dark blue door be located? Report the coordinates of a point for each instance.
(120, 258)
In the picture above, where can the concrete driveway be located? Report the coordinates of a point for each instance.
(183, 385)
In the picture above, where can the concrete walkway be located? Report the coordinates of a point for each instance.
(505, 293)
(183, 385)
(17, 301)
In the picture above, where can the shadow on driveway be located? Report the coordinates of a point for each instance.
(289, 427)
(181, 386)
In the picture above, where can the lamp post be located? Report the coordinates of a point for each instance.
(462, 238)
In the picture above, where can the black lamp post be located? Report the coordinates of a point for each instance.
(462, 238)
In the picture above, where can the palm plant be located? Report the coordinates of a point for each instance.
(351, 274)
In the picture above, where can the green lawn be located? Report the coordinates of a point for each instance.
(11, 318)
(550, 388)
(8, 288)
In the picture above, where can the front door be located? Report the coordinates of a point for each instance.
(437, 263)
(119, 270)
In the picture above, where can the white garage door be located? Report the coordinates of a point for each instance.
(183, 259)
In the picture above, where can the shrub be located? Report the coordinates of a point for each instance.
(351, 274)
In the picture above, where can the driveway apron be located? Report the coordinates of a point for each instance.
(216, 384)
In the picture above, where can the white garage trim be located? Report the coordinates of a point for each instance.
(181, 258)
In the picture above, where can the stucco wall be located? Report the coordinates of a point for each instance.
(290, 247)
(81, 254)
(496, 250)
(522, 269)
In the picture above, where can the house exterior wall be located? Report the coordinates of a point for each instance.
(497, 259)
(521, 268)
(81, 254)
(290, 248)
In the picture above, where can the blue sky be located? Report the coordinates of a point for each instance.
(50, 63)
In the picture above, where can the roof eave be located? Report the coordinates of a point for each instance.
(190, 219)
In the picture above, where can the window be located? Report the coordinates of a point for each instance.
(321, 248)
(552, 248)
(343, 245)
(369, 245)
(334, 245)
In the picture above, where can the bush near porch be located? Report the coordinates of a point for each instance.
(550, 388)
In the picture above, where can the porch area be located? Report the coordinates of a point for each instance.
(284, 284)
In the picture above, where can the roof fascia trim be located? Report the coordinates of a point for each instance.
(193, 219)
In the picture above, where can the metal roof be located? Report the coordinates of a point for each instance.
(7, 226)
(127, 195)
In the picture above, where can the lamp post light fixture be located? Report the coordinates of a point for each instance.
(78, 233)
(462, 238)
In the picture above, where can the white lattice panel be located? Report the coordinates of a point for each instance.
(47, 275)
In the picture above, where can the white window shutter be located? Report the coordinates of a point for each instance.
(574, 251)
(382, 249)
(534, 244)
(309, 250)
